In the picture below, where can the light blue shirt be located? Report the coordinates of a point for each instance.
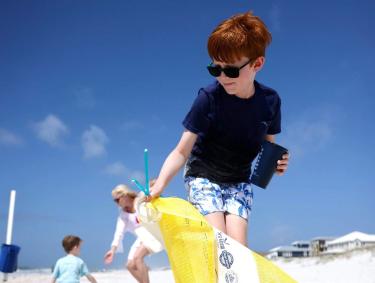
(69, 269)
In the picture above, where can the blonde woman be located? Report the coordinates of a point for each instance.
(127, 221)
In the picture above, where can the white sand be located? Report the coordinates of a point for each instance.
(117, 276)
(353, 267)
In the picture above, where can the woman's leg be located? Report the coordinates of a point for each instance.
(137, 266)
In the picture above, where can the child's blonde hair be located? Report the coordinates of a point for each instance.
(123, 190)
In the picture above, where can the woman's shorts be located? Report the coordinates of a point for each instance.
(137, 243)
(209, 197)
(148, 240)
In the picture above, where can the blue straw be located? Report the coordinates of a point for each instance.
(140, 186)
(147, 192)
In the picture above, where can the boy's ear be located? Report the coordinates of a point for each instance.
(258, 64)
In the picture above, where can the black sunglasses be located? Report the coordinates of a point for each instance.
(229, 71)
(117, 200)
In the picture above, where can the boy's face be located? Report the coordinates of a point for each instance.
(242, 84)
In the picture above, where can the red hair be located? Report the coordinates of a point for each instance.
(243, 35)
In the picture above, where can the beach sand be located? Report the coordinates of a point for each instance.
(352, 267)
(113, 276)
(356, 266)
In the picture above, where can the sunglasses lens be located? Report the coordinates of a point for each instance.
(214, 70)
(231, 72)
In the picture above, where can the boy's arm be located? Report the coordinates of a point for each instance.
(55, 272)
(91, 278)
(270, 138)
(175, 160)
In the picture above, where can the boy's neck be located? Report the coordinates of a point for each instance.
(248, 92)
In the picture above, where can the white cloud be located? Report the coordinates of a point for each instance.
(94, 141)
(116, 169)
(8, 138)
(312, 131)
(138, 175)
(51, 130)
(307, 137)
(120, 170)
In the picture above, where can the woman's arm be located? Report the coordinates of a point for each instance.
(117, 240)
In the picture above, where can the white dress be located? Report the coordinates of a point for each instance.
(128, 222)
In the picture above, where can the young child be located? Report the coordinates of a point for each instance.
(225, 127)
(71, 268)
(127, 221)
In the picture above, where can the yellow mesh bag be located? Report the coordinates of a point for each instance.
(189, 240)
(269, 272)
(192, 249)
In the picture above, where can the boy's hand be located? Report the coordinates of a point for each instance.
(155, 192)
(282, 165)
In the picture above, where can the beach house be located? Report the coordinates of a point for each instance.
(350, 241)
(296, 249)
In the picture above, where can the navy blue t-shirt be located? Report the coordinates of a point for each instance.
(230, 130)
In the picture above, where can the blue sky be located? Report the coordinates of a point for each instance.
(85, 86)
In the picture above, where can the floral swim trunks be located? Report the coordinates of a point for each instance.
(209, 197)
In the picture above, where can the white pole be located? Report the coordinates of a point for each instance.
(10, 217)
(10, 224)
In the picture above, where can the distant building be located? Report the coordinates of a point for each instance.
(297, 249)
(318, 245)
(323, 245)
(350, 241)
(301, 244)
